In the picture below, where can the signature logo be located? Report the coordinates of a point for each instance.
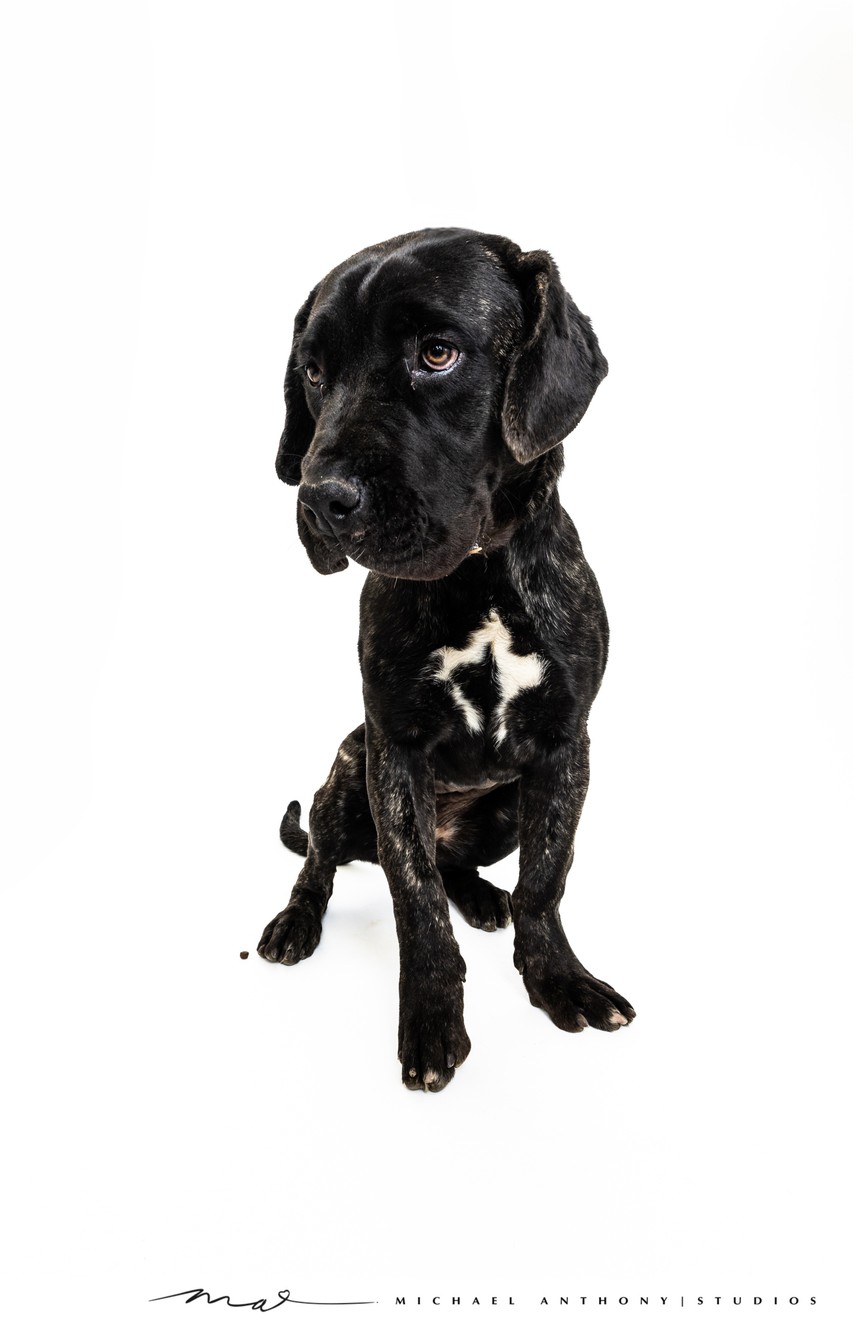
(259, 1304)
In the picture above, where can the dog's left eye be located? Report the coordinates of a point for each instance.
(437, 355)
(313, 372)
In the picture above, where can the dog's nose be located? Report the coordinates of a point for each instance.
(333, 502)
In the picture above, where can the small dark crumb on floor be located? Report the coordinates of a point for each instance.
(244, 953)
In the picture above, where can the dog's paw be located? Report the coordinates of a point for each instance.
(432, 1041)
(577, 1000)
(293, 935)
(482, 904)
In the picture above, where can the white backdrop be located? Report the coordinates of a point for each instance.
(177, 178)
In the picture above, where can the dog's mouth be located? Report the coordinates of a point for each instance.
(414, 548)
(416, 562)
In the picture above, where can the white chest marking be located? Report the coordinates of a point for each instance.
(513, 673)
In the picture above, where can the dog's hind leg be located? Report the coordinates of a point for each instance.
(482, 904)
(294, 933)
(340, 830)
(475, 834)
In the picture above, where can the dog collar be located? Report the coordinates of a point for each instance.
(476, 549)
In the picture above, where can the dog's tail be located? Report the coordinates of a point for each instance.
(291, 833)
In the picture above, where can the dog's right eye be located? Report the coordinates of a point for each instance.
(313, 372)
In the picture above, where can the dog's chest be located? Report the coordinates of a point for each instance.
(485, 676)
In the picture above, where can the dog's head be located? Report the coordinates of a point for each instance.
(426, 375)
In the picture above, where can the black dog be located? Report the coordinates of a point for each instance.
(431, 381)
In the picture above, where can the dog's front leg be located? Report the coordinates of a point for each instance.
(432, 1038)
(550, 802)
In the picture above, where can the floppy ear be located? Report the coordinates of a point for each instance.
(557, 367)
(298, 422)
(325, 555)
